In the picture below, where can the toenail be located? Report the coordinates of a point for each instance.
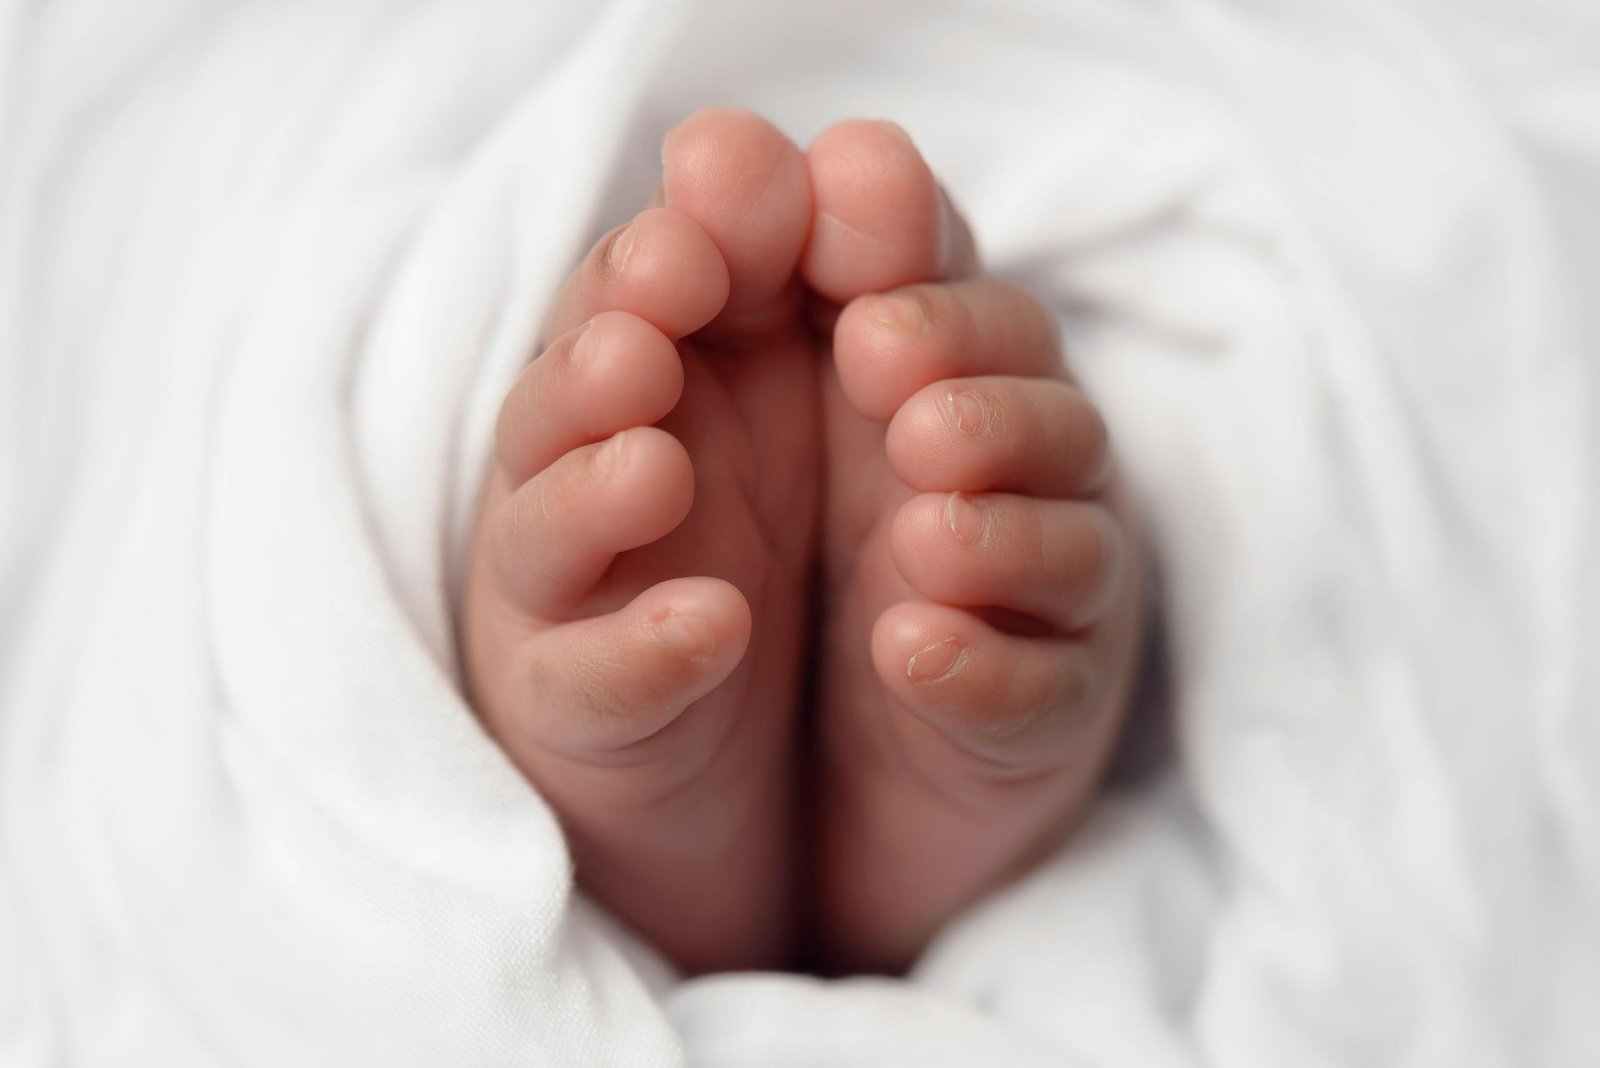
(904, 314)
(584, 348)
(621, 248)
(608, 461)
(689, 635)
(970, 413)
(968, 520)
(948, 229)
(1110, 565)
(899, 132)
(936, 661)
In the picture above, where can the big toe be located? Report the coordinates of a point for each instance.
(881, 220)
(745, 183)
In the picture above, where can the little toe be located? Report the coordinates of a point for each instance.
(887, 346)
(1023, 435)
(881, 219)
(614, 372)
(745, 184)
(610, 684)
(1060, 562)
(1018, 703)
(557, 533)
(661, 266)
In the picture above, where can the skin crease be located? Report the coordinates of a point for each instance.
(789, 381)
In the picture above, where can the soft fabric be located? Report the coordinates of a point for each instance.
(1331, 269)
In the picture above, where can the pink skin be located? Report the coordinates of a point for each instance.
(984, 602)
(633, 620)
(669, 469)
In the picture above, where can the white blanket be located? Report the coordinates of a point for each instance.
(1333, 269)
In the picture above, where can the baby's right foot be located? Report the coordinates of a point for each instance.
(654, 489)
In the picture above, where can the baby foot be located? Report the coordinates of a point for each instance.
(982, 597)
(633, 621)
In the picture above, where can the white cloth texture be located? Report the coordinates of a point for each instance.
(1332, 269)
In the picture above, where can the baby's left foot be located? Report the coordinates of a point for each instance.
(984, 595)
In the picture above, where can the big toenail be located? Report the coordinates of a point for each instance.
(967, 519)
(935, 661)
(967, 411)
(621, 248)
(895, 129)
(689, 635)
(583, 349)
(899, 313)
(948, 229)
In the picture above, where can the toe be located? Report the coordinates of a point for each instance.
(887, 346)
(881, 219)
(1023, 435)
(745, 184)
(556, 535)
(614, 372)
(661, 266)
(1060, 562)
(1017, 702)
(611, 683)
